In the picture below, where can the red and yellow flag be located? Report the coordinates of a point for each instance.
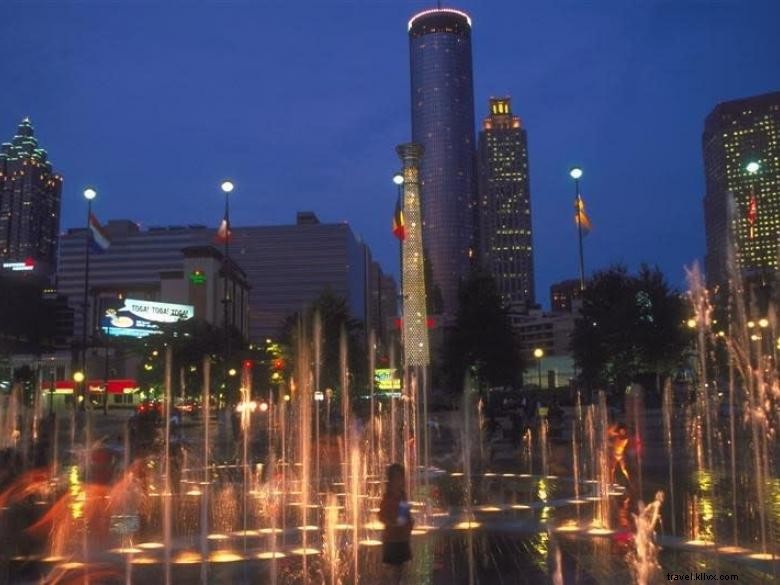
(399, 226)
(580, 217)
(752, 215)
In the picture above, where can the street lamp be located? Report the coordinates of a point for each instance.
(539, 354)
(78, 377)
(398, 179)
(763, 323)
(89, 194)
(227, 187)
(319, 396)
(752, 211)
(576, 174)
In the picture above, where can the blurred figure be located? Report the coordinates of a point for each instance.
(395, 514)
(618, 436)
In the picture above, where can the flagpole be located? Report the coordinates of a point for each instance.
(89, 195)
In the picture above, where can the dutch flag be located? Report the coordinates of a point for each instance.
(97, 235)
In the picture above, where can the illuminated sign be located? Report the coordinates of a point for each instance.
(387, 380)
(137, 318)
(19, 266)
(197, 277)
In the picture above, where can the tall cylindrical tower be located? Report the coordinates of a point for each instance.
(443, 124)
(415, 316)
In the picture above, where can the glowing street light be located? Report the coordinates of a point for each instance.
(90, 193)
(691, 323)
(398, 179)
(575, 173)
(763, 323)
(78, 377)
(752, 167)
(227, 186)
(232, 372)
(539, 354)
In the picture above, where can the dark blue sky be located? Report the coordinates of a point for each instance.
(303, 102)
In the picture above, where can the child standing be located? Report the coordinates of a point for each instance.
(394, 513)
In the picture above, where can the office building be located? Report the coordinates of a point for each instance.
(173, 264)
(289, 266)
(504, 205)
(742, 201)
(565, 295)
(30, 192)
(442, 97)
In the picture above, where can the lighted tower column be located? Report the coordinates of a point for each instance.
(415, 317)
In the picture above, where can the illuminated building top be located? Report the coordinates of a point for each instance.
(30, 194)
(439, 12)
(504, 204)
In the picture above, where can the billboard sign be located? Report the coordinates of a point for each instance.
(387, 380)
(138, 318)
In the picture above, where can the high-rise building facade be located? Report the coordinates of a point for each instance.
(286, 267)
(565, 295)
(29, 203)
(504, 205)
(443, 124)
(742, 201)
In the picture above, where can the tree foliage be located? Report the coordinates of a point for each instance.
(334, 316)
(27, 320)
(630, 326)
(482, 339)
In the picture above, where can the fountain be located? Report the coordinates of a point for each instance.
(298, 511)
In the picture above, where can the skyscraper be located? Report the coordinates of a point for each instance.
(504, 205)
(443, 124)
(29, 202)
(742, 201)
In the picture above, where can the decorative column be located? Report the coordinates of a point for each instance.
(415, 316)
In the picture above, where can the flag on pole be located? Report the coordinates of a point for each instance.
(752, 215)
(223, 232)
(580, 217)
(399, 226)
(98, 239)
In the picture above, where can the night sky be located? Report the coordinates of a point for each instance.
(302, 103)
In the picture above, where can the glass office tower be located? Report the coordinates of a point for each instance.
(443, 123)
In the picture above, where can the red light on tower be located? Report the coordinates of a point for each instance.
(247, 364)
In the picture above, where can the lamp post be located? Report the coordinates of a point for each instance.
(539, 354)
(89, 195)
(576, 173)
(398, 180)
(752, 168)
(319, 396)
(227, 188)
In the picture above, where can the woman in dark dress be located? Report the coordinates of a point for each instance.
(394, 513)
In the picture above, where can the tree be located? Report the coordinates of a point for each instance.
(482, 339)
(190, 340)
(629, 327)
(334, 316)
